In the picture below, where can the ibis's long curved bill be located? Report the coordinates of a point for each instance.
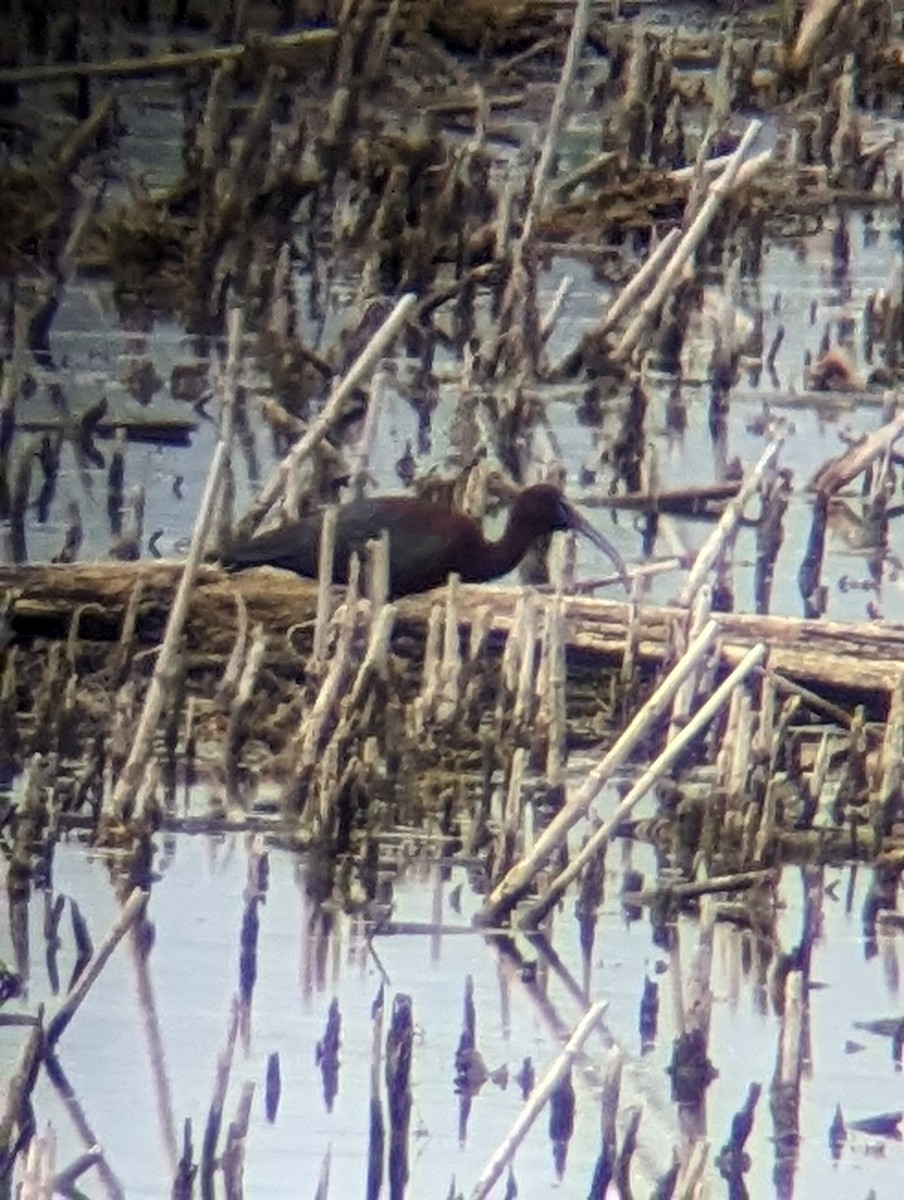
(592, 534)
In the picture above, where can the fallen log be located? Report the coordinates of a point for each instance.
(853, 661)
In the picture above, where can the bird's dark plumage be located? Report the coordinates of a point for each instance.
(427, 542)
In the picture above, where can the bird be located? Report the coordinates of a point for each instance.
(427, 542)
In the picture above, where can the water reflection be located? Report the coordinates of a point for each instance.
(242, 1018)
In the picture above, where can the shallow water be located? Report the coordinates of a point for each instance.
(306, 957)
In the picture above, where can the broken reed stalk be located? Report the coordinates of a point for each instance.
(150, 1018)
(790, 1053)
(326, 552)
(318, 429)
(16, 1113)
(537, 1100)
(84, 136)
(737, 881)
(39, 1168)
(312, 724)
(518, 319)
(233, 1158)
(712, 547)
(684, 697)
(691, 239)
(535, 912)
(378, 572)
(319, 40)
(241, 703)
(170, 649)
(887, 806)
(839, 471)
(109, 1185)
(449, 698)
(218, 1101)
(552, 699)
(638, 283)
(512, 819)
(749, 170)
(131, 911)
(549, 318)
(376, 655)
(552, 138)
(518, 880)
(691, 1177)
(814, 27)
(609, 1102)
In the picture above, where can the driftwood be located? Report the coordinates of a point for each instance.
(695, 499)
(847, 658)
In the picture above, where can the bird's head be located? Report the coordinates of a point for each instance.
(543, 509)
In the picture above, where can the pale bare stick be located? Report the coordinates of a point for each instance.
(838, 472)
(159, 688)
(519, 288)
(712, 547)
(749, 170)
(518, 880)
(638, 283)
(538, 910)
(377, 653)
(39, 1167)
(318, 429)
(538, 1098)
(326, 554)
(691, 1176)
(150, 1019)
(131, 911)
(814, 27)
(122, 68)
(549, 318)
(589, 172)
(691, 239)
(364, 447)
(551, 140)
(21, 1083)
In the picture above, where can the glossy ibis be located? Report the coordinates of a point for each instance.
(427, 542)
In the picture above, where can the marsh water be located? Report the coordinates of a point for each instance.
(137, 1085)
(141, 1055)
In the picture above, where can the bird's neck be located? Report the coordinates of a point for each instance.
(500, 557)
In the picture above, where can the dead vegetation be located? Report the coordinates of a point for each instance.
(269, 195)
(381, 155)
